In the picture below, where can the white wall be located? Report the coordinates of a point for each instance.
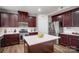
(42, 23)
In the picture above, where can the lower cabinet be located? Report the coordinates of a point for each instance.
(64, 40)
(10, 39)
(74, 41)
(33, 33)
(69, 40)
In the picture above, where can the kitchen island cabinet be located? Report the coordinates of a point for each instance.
(40, 45)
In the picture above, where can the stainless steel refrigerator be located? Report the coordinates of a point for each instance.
(55, 28)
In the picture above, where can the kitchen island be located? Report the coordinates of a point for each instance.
(40, 45)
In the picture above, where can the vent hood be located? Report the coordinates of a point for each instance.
(23, 24)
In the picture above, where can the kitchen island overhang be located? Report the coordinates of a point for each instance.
(40, 45)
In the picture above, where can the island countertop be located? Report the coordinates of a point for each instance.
(32, 40)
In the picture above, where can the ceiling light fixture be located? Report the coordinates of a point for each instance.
(39, 9)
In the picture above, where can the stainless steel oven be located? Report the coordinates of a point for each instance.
(23, 32)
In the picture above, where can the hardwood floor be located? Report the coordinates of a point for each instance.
(19, 48)
(14, 49)
(62, 49)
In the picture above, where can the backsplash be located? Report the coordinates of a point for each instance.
(16, 29)
(71, 29)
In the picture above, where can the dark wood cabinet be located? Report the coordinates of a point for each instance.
(8, 20)
(67, 19)
(13, 20)
(32, 22)
(69, 40)
(23, 16)
(64, 40)
(75, 17)
(33, 33)
(10, 39)
(60, 17)
(45, 47)
(5, 20)
(54, 18)
(74, 41)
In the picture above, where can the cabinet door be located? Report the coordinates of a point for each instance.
(32, 22)
(64, 40)
(67, 19)
(73, 41)
(13, 20)
(4, 20)
(75, 17)
(60, 17)
(54, 18)
(23, 16)
(11, 39)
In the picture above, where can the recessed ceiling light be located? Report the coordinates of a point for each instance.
(61, 7)
(39, 9)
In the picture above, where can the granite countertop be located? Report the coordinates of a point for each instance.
(70, 34)
(31, 40)
(1, 34)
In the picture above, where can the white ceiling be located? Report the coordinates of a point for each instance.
(33, 10)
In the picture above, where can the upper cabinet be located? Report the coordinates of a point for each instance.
(67, 19)
(60, 17)
(54, 18)
(75, 17)
(32, 21)
(13, 20)
(57, 18)
(23, 16)
(8, 20)
(4, 18)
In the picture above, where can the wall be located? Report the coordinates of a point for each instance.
(71, 29)
(42, 23)
(11, 29)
